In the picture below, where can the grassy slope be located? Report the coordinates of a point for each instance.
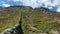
(41, 20)
(8, 18)
(33, 21)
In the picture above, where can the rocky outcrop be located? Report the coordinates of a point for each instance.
(17, 29)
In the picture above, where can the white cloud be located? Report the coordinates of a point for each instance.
(35, 3)
(56, 2)
(6, 5)
(38, 3)
(58, 10)
(16, 0)
(50, 7)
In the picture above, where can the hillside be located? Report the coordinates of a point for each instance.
(41, 21)
(34, 21)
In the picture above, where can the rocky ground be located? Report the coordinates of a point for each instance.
(14, 30)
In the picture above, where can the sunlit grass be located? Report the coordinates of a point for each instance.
(41, 21)
(33, 21)
(9, 19)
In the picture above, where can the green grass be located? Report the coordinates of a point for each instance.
(40, 21)
(9, 18)
(33, 21)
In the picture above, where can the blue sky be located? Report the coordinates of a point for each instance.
(51, 4)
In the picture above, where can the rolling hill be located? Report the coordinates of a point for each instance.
(34, 21)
